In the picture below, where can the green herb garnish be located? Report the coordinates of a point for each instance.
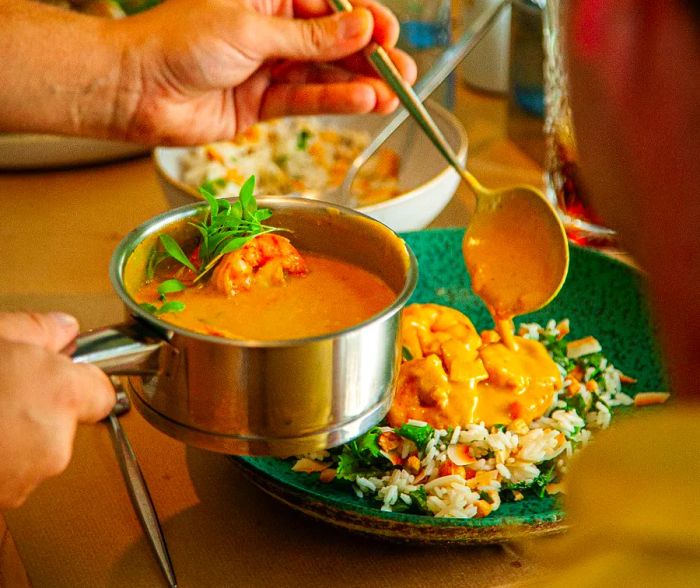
(419, 434)
(225, 228)
(303, 139)
(361, 457)
(406, 353)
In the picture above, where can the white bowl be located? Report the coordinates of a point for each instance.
(427, 181)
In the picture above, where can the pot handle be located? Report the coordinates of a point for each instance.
(127, 349)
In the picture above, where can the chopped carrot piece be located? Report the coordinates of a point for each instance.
(650, 398)
(327, 475)
(483, 508)
(563, 328)
(625, 379)
(592, 386)
(309, 466)
(574, 385)
(450, 469)
(413, 464)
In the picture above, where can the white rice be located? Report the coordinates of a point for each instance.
(291, 155)
(503, 458)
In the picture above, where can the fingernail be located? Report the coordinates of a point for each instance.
(66, 321)
(355, 23)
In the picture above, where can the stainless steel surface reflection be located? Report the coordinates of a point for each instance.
(263, 397)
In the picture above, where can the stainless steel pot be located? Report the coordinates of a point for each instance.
(261, 397)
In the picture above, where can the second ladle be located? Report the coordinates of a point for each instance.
(515, 248)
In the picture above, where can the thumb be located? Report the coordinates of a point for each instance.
(52, 331)
(315, 39)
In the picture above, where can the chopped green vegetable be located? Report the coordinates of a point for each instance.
(361, 457)
(420, 499)
(406, 353)
(303, 139)
(419, 434)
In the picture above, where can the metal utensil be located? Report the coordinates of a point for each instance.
(426, 85)
(256, 397)
(541, 247)
(136, 484)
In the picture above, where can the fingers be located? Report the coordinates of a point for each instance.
(359, 63)
(297, 99)
(320, 39)
(43, 396)
(52, 331)
(322, 88)
(386, 26)
(91, 396)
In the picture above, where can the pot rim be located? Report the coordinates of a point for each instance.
(127, 245)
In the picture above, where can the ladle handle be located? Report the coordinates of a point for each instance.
(428, 83)
(386, 69)
(126, 349)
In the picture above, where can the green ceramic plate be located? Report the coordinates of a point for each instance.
(601, 297)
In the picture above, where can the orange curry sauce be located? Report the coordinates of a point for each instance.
(457, 376)
(277, 296)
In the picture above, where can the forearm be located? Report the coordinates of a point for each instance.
(60, 71)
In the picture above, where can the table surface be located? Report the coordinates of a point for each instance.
(79, 529)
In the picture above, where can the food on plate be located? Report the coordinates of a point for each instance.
(456, 464)
(457, 376)
(292, 155)
(230, 275)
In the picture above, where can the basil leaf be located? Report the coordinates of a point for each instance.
(175, 251)
(234, 244)
(246, 198)
(170, 306)
(169, 286)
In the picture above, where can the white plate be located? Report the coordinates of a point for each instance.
(24, 151)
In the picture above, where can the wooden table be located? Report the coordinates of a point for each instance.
(58, 231)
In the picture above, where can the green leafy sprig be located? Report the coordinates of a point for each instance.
(226, 228)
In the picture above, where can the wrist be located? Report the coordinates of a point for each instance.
(61, 71)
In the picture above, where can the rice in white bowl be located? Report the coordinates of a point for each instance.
(291, 155)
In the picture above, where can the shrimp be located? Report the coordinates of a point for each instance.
(265, 259)
(444, 346)
(433, 329)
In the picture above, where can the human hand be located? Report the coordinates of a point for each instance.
(43, 396)
(197, 73)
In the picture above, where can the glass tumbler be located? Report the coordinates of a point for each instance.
(563, 184)
(426, 31)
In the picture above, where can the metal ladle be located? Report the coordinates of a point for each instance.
(516, 277)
